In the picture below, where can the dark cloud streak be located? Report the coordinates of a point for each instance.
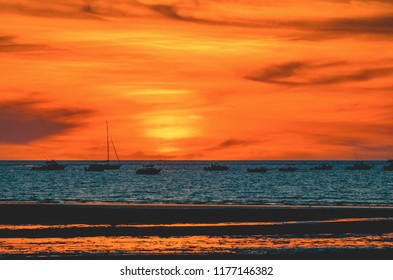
(381, 25)
(291, 74)
(8, 44)
(232, 142)
(313, 30)
(378, 25)
(22, 122)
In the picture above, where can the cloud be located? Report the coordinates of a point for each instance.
(320, 29)
(212, 13)
(8, 44)
(379, 25)
(167, 11)
(84, 9)
(299, 73)
(172, 12)
(22, 122)
(232, 142)
(274, 73)
(372, 139)
(365, 146)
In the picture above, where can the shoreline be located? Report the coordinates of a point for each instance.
(136, 231)
(194, 205)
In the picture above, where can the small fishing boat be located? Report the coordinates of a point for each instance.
(148, 169)
(359, 166)
(288, 169)
(216, 167)
(95, 167)
(323, 166)
(49, 166)
(389, 167)
(257, 170)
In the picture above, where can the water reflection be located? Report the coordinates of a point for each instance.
(126, 245)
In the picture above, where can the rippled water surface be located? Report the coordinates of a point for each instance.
(186, 182)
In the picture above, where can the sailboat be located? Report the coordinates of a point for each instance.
(360, 165)
(106, 165)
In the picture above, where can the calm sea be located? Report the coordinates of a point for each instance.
(186, 182)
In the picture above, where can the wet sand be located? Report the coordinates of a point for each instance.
(256, 231)
(74, 213)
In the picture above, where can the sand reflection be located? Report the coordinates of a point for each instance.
(125, 245)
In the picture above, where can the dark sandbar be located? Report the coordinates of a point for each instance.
(111, 220)
(48, 213)
(125, 220)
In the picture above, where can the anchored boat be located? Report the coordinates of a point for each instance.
(257, 170)
(216, 167)
(389, 167)
(107, 164)
(359, 166)
(49, 166)
(288, 169)
(323, 166)
(95, 167)
(148, 169)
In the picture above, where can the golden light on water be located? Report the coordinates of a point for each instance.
(124, 245)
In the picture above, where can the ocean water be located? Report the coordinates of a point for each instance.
(186, 182)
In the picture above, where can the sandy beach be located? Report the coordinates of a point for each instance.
(78, 230)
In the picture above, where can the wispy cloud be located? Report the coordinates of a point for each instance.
(173, 12)
(85, 9)
(232, 142)
(378, 25)
(8, 44)
(369, 138)
(208, 12)
(300, 73)
(318, 29)
(22, 122)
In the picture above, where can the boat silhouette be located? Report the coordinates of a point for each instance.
(288, 169)
(148, 169)
(105, 165)
(216, 167)
(257, 170)
(389, 167)
(95, 167)
(359, 166)
(49, 165)
(323, 166)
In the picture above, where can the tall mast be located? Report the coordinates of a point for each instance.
(107, 142)
(114, 148)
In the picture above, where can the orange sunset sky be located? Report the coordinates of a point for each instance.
(202, 79)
